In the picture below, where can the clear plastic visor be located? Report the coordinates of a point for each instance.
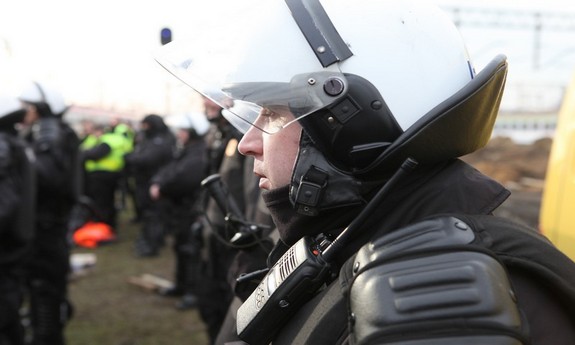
(266, 94)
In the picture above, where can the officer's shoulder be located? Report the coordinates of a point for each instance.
(5, 152)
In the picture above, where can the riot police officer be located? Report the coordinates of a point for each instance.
(17, 212)
(386, 236)
(223, 158)
(153, 150)
(177, 186)
(56, 147)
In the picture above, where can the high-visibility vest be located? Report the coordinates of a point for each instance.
(114, 161)
(128, 133)
(89, 142)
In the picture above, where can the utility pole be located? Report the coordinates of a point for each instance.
(539, 22)
(537, 29)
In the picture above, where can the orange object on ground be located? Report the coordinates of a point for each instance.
(91, 234)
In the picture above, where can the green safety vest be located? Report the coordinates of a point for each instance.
(128, 133)
(114, 161)
(89, 142)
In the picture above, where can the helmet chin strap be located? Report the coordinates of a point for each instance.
(317, 185)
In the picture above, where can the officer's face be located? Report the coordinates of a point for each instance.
(211, 109)
(31, 114)
(275, 154)
(183, 136)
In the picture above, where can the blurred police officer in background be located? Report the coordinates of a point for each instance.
(220, 266)
(251, 251)
(17, 212)
(56, 147)
(125, 187)
(152, 150)
(215, 292)
(177, 186)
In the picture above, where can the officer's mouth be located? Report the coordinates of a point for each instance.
(264, 182)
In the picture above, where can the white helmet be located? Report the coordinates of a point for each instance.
(403, 48)
(372, 82)
(11, 111)
(9, 105)
(40, 93)
(190, 121)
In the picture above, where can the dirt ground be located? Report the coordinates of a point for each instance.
(109, 310)
(519, 167)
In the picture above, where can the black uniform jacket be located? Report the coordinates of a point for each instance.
(453, 187)
(181, 177)
(149, 155)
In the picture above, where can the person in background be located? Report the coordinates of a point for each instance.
(386, 236)
(17, 212)
(56, 147)
(224, 259)
(125, 190)
(103, 155)
(86, 130)
(215, 292)
(251, 253)
(177, 186)
(151, 152)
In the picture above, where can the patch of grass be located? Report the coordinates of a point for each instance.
(109, 310)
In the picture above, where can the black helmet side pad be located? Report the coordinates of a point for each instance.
(356, 143)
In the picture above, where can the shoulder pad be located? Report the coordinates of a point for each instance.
(423, 284)
(432, 233)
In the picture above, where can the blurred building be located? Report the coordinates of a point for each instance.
(539, 42)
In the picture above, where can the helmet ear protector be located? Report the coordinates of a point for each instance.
(356, 129)
(460, 125)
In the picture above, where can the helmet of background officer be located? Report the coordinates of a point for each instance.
(188, 126)
(11, 113)
(153, 125)
(212, 110)
(42, 100)
(358, 76)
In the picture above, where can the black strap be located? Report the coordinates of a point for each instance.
(319, 31)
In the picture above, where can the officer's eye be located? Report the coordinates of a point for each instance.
(272, 121)
(267, 112)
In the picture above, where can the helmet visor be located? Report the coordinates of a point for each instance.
(247, 72)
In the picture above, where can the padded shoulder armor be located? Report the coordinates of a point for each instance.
(424, 284)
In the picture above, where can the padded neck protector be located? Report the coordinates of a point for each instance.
(460, 125)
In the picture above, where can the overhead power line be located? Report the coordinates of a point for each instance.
(511, 18)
